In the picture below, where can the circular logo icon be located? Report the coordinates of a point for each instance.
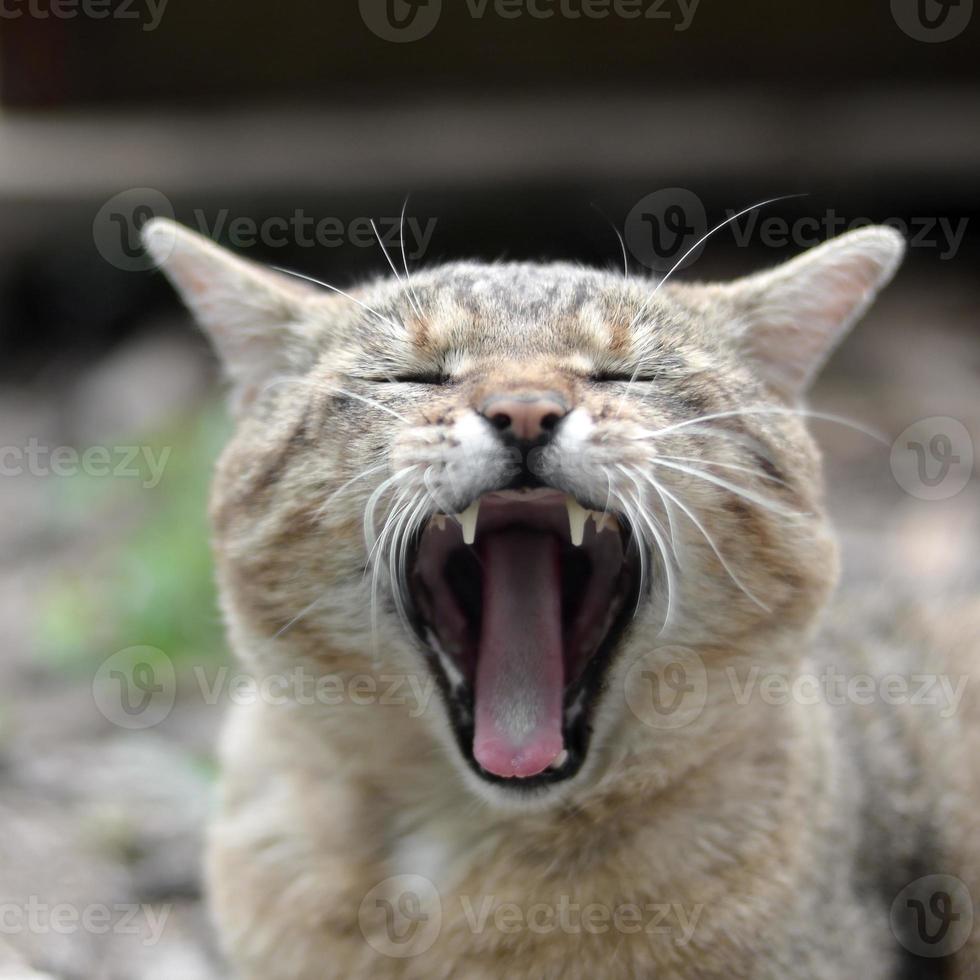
(665, 225)
(933, 458)
(667, 688)
(116, 228)
(401, 916)
(136, 688)
(932, 21)
(400, 21)
(933, 916)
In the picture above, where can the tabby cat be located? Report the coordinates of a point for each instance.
(519, 556)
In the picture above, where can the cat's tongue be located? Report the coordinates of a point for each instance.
(520, 671)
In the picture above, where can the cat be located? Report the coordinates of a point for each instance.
(530, 534)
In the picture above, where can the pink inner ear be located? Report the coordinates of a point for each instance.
(797, 314)
(248, 311)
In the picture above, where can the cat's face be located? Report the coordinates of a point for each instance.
(523, 478)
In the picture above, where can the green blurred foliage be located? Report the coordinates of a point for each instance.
(144, 574)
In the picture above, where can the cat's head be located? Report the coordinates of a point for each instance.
(522, 478)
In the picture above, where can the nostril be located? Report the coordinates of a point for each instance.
(524, 416)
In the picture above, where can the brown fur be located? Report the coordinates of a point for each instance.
(776, 837)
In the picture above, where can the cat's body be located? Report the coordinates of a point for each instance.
(426, 815)
(778, 858)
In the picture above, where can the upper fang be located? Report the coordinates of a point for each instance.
(603, 522)
(467, 521)
(577, 517)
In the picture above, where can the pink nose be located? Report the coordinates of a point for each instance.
(528, 415)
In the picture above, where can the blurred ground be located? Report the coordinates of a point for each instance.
(95, 814)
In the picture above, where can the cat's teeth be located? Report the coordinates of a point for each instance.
(440, 521)
(559, 760)
(467, 521)
(603, 522)
(577, 517)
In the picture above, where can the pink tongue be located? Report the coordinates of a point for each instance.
(520, 671)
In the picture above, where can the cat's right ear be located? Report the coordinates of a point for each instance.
(792, 317)
(261, 323)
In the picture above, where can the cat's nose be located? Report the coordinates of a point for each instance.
(525, 416)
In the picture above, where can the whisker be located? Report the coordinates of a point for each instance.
(721, 558)
(349, 483)
(370, 401)
(319, 384)
(376, 564)
(384, 250)
(648, 435)
(370, 537)
(684, 258)
(408, 275)
(724, 484)
(389, 548)
(639, 542)
(704, 238)
(773, 410)
(632, 473)
(626, 271)
(377, 545)
(429, 480)
(304, 612)
(326, 285)
(397, 551)
(411, 292)
(657, 531)
(372, 503)
(616, 232)
(413, 517)
(727, 466)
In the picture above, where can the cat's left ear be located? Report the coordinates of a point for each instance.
(262, 323)
(792, 317)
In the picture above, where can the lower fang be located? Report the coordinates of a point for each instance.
(559, 760)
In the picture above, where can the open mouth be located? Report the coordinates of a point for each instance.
(520, 602)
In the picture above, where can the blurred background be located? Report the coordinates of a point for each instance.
(513, 129)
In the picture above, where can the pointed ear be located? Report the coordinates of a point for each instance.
(792, 317)
(260, 322)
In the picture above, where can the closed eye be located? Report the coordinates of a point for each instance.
(422, 378)
(410, 378)
(609, 377)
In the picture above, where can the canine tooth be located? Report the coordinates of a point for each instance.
(559, 760)
(467, 521)
(577, 516)
(440, 521)
(603, 522)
